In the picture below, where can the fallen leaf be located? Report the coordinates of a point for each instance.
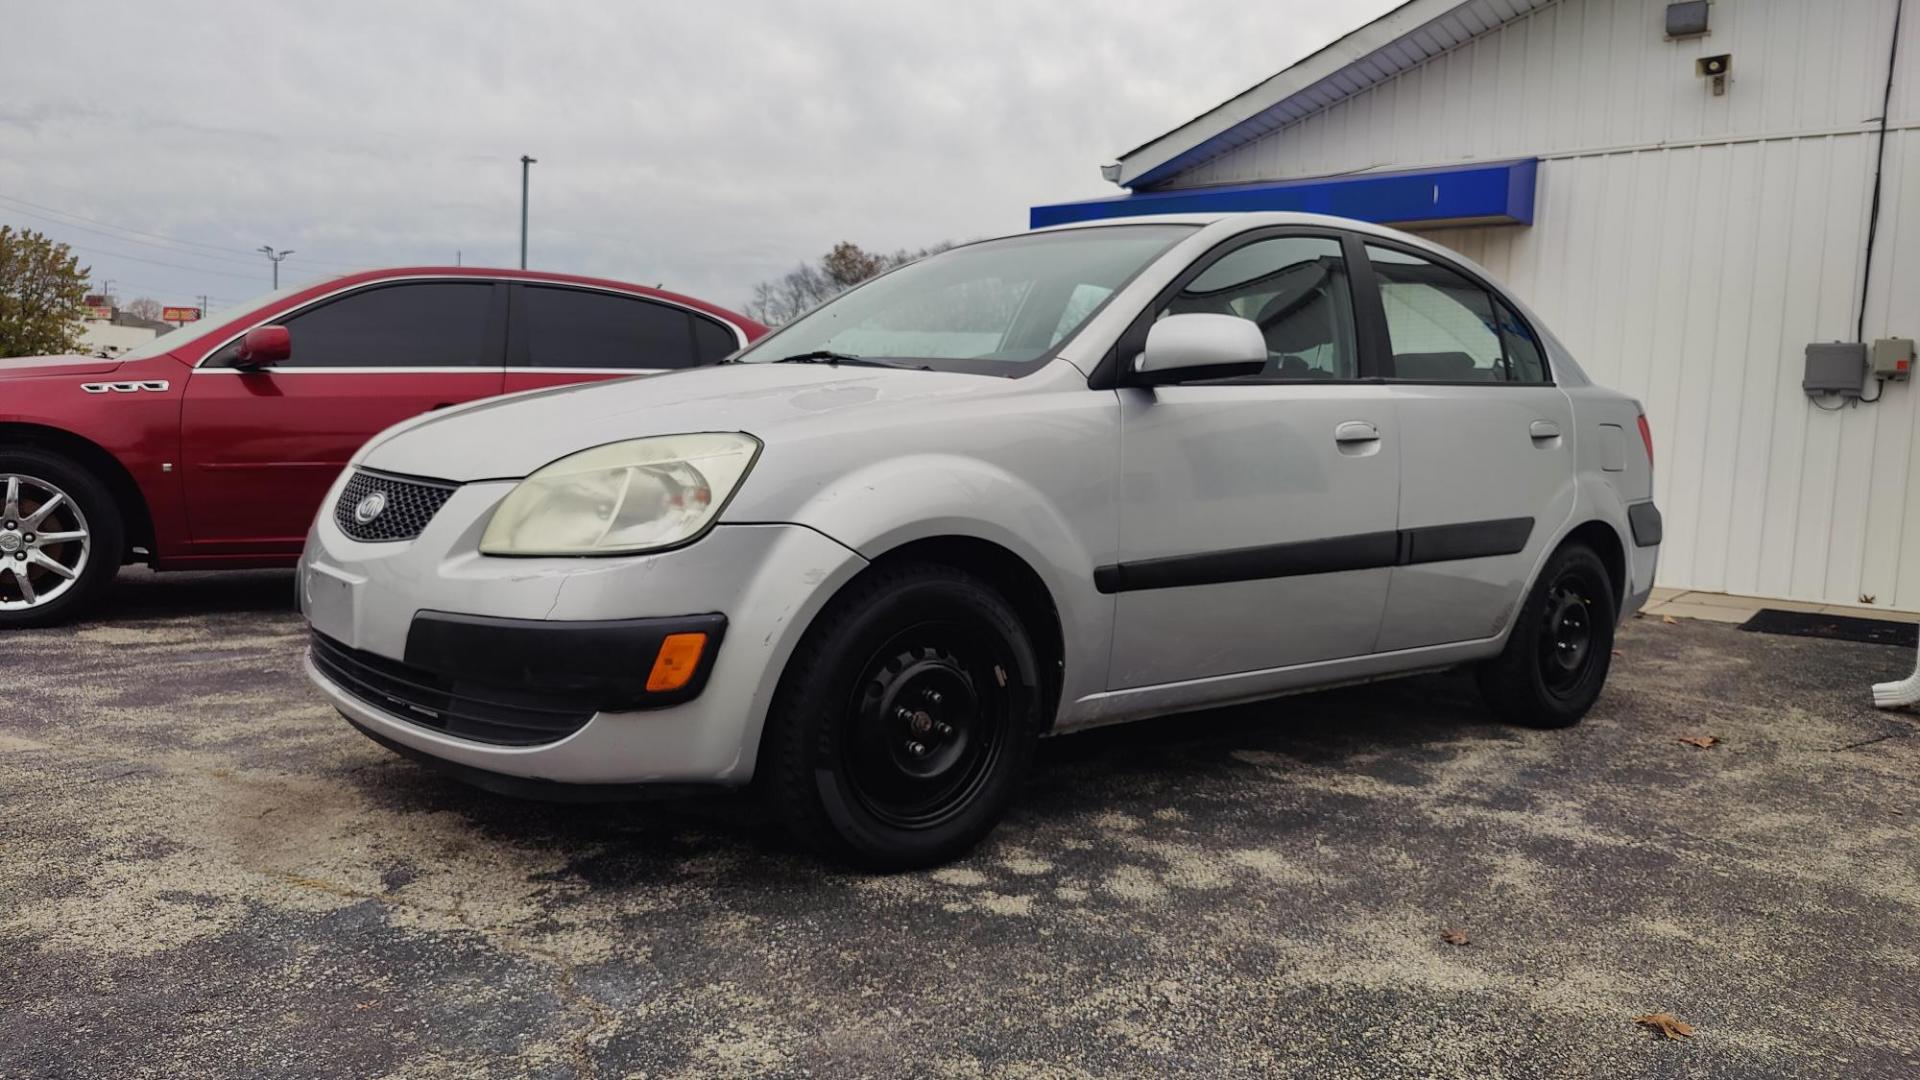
(1670, 620)
(1866, 598)
(1701, 741)
(1617, 652)
(1666, 1024)
(1455, 936)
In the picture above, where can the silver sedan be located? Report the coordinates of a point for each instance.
(1032, 484)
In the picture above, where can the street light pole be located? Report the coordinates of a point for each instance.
(525, 161)
(275, 257)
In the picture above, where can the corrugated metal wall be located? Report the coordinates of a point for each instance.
(1692, 279)
(1687, 247)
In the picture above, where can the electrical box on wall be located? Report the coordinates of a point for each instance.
(1835, 367)
(1893, 359)
(1687, 19)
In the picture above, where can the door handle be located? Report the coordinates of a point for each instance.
(1541, 430)
(1356, 431)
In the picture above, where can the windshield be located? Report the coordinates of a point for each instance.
(991, 307)
(172, 339)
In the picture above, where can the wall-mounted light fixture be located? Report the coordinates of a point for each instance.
(1715, 69)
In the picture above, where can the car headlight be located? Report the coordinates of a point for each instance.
(622, 498)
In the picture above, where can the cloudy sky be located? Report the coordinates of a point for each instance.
(703, 145)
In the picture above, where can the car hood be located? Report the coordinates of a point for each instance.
(26, 367)
(509, 437)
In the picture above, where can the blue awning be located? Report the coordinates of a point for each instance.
(1499, 192)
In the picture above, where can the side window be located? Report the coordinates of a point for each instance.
(1441, 326)
(578, 328)
(422, 324)
(1296, 289)
(711, 341)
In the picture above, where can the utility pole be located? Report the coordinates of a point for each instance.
(203, 305)
(274, 257)
(456, 258)
(525, 162)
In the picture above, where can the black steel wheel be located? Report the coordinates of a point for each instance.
(929, 723)
(1561, 646)
(904, 720)
(1565, 637)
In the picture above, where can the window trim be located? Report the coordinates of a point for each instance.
(1504, 306)
(519, 351)
(1111, 373)
(494, 358)
(1496, 298)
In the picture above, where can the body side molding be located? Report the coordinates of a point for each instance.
(1363, 551)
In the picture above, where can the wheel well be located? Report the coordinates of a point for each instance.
(88, 454)
(1016, 581)
(1605, 542)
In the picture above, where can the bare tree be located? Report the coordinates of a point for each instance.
(146, 307)
(786, 297)
(809, 285)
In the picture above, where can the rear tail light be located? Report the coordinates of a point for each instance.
(1646, 437)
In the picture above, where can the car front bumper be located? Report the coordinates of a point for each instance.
(561, 641)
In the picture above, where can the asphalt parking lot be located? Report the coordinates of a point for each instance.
(203, 872)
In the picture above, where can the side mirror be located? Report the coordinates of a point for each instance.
(1182, 348)
(264, 345)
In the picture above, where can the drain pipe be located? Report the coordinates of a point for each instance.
(1893, 695)
(1887, 695)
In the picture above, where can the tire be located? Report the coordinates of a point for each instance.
(62, 580)
(1557, 657)
(905, 721)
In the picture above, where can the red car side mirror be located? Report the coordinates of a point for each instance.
(264, 345)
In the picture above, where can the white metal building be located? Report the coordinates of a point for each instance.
(1686, 240)
(104, 337)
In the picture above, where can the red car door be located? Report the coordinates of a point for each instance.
(563, 334)
(260, 448)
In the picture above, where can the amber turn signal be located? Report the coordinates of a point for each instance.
(679, 658)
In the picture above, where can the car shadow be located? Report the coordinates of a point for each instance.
(1320, 727)
(139, 593)
(1124, 767)
(1080, 774)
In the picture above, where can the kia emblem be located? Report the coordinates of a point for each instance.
(370, 507)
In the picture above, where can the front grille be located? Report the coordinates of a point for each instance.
(406, 505)
(488, 714)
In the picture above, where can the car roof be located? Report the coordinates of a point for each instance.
(214, 332)
(1210, 229)
(1253, 219)
(360, 277)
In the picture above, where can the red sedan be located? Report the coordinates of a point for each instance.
(211, 447)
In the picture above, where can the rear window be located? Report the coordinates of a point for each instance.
(711, 341)
(578, 328)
